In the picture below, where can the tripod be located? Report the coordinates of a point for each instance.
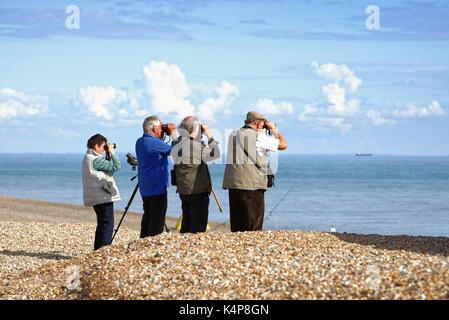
(127, 208)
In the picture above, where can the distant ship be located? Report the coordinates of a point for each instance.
(364, 154)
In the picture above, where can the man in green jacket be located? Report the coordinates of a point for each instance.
(246, 171)
(190, 156)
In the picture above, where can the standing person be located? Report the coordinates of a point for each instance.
(246, 171)
(193, 182)
(152, 155)
(100, 190)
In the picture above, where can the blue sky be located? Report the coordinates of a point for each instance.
(331, 85)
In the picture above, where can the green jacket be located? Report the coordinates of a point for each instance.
(102, 164)
(190, 157)
(245, 168)
(99, 186)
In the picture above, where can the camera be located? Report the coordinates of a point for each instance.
(106, 147)
(108, 152)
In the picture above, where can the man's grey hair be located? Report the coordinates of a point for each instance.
(150, 122)
(188, 125)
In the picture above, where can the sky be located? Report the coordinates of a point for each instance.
(337, 77)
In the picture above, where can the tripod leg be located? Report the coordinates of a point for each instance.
(126, 210)
(217, 200)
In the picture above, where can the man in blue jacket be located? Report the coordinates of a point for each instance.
(152, 155)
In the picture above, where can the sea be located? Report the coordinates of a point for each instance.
(379, 194)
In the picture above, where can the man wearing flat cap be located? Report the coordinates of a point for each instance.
(246, 171)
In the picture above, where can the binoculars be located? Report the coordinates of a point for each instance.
(266, 128)
(165, 128)
(265, 125)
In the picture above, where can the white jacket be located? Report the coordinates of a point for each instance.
(98, 186)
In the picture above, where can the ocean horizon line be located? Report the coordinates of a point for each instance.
(284, 154)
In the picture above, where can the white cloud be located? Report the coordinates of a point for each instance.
(225, 94)
(338, 123)
(377, 119)
(342, 82)
(338, 73)
(335, 95)
(109, 103)
(166, 91)
(103, 102)
(321, 119)
(20, 104)
(309, 112)
(412, 111)
(171, 93)
(336, 102)
(168, 87)
(267, 106)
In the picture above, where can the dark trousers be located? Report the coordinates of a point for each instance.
(195, 212)
(247, 209)
(105, 224)
(153, 220)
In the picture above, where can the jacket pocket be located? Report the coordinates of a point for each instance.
(108, 187)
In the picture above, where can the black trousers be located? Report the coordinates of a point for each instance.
(105, 224)
(247, 209)
(153, 220)
(195, 212)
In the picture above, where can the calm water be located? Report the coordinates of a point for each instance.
(379, 194)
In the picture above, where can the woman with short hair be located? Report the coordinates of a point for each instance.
(100, 190)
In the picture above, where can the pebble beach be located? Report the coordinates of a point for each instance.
(46, 255)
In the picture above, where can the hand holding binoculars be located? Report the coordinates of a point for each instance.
(168, 128)
(109, 146)
(268, 125)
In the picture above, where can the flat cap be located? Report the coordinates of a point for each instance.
(254, 116)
